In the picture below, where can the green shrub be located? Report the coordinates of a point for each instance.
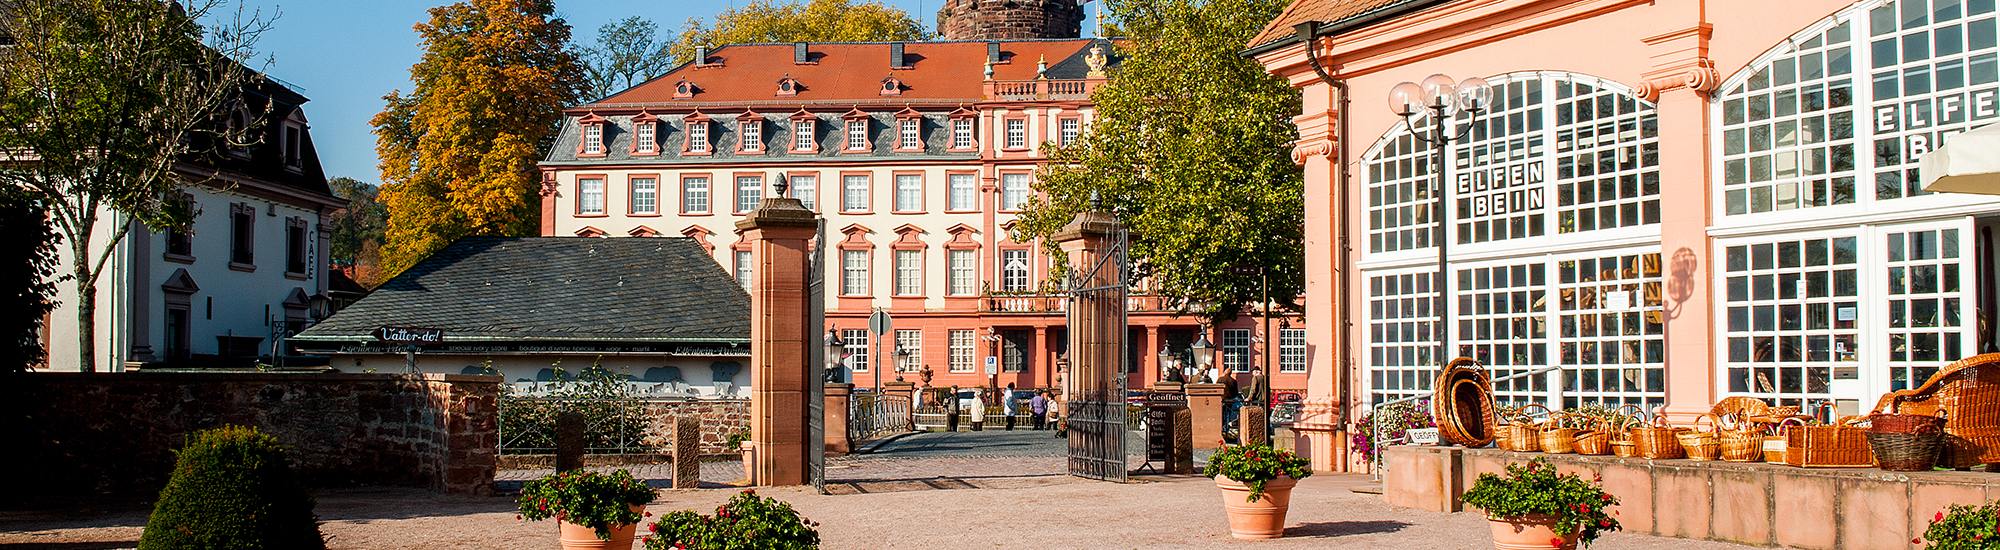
(747, 522)
(1964, 528)
(1536, 488)
(232, 488)
(1253, 465)
(584, 497)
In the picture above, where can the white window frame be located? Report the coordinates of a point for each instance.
(907, 129)
(1017, 270)
(802, 135)
(1014, 190)
(909, 273)
(745, 267)
(911, 340)
(644, 137)
(593, 139)
(909, 192)
(854, 192)
(1235, 350)
(1071, 129)
(855, 343)
(695, 194)
(1292, 350)
(961, 350)
(697, 137)
(1017, 133)
(752, 130)
(590, 196)
(854, 273)
(961, 133)
(963, 194)
(645, 196)
(749, 192)
(805, 187)
(857, 135)
(964, 272)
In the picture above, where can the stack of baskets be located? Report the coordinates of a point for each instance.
(1523, 433)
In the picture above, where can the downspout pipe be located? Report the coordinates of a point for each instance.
(1307, 33)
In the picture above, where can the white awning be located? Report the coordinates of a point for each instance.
(1967, 163)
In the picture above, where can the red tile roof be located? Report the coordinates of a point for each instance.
(939, 72)
(1324, 11)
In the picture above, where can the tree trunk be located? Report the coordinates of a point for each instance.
(86, 316)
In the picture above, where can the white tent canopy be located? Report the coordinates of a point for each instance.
(1967, 163)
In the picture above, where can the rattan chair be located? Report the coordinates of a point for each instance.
(1968, 392)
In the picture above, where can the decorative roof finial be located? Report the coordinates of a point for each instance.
(989, 69)
(1042, 67)
(1096, 202)
(781, 184)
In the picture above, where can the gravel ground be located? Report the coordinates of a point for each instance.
(931, 489)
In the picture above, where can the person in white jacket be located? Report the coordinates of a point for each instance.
(978, 413)
(1007, 405)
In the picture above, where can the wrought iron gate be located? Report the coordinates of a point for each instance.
(816, 364)
(1095, 385)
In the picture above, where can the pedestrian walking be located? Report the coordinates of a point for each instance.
(950, 406)
(1008, 407)
(979, 410)
(1039, 407)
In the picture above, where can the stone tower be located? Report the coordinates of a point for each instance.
(1010, 19)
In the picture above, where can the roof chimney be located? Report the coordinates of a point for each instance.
(896, 55)
(799, 54)
(992, 52)
(700, 55)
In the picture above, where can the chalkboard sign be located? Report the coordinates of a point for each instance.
(1159, 434)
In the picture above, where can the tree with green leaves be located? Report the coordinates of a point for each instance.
(458, 153)
(358, 228)
(28, 278)
(1191, 144)
(793, 21)
(103, 104)
(627, 53)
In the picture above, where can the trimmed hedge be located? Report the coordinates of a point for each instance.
(232, 488)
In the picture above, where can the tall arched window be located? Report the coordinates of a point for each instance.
(1869, 279)
(1561, 160)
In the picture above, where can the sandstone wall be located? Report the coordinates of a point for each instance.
(116, 432)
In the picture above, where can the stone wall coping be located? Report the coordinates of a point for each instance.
(1872, 474)
(260, 376)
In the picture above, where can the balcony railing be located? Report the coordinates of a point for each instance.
(1056, 304)
(1021, 90)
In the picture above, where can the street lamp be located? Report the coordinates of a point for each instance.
(1204, 352)
(1442, 98)
(902, 360)
(1169, 372)
(834, 349)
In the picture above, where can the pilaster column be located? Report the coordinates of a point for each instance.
(549, 193)
(779, 232)
(837, 396)
(1043, 365)
(1149, 354)
(1678, 84)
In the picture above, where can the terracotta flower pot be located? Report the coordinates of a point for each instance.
(1264, 519)
(583, 537)
(1532, 531)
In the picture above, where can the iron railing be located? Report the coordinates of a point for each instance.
(871, 417)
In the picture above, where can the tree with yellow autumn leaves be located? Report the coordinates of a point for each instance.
(458, 153)
(767, 21)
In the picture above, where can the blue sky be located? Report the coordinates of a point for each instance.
(345, 54)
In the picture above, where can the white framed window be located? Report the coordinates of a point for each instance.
(854, 193)
(1401, 341)
(964, 272)
(909, 273)
(909, 193)
(697, 137)
(644, 137)
(961, 350)
(1292, 350)
(1608, 331)
(1070, 129)
(806, 189)
(1014, 190)
(1017, 133)
(854, 272)
(961, 133)
(964, 192)
(752, 130)
(1930, 299)
(590, 196)
(857, 135)
(802, 135)
(593, 139)
(1014, 270)
(913, 342)
(1791, 314)
(907, 132)
(744, 265)
(645, 196)
(749, 191)
(855, 342)
(694, 195)
(1235, 350)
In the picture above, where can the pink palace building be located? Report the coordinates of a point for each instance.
(1674, 201)
(919, 155)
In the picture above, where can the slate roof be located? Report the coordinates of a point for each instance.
(488, 289)
(1330, 13)
(844, 73)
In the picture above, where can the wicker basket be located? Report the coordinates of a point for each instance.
(1968, 391)
(1464, 404)
(1701, 445)
(1595, 441)
(1522, 433)
(1906, 442)
(1742, 445)
(1558, 435)
(1624, 448)
(1774, 444)
(1844, 444)
(1655, 441)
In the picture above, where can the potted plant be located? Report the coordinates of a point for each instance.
(1535, 507)
(593, 510)
(1964, 527)
(746, 522)
(1256, 482)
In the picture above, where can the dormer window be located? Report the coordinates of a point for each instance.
(697, 134)
(892, 86)
(683, 89)
(593, 139)
(857, 135)
(788, 87)
(645, 134)
(292, 137)
(963, 129)
(909, 134)
(804, 125)
(590, 130)
(750, 133)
